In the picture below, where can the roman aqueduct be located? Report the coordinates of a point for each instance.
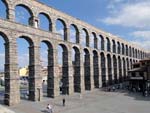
(106, 63)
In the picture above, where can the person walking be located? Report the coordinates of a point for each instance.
(49, 108)
(64, 101)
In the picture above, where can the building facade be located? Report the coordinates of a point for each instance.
(106, 63)
(139, 76)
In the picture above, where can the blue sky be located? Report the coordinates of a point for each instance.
(128, 19)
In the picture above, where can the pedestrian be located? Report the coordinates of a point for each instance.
(49, 108)
(63, 100)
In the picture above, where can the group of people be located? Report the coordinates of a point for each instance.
(49, 107)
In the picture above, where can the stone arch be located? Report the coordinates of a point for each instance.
(113, 46)
(124, 69)
(46, 16)
(4, 4)
(31, 67)
(87, 69)
(115, 69)
(31, 15)
(50, 68)
(123, 49)
(103, 69)
(127, 51)
(120, 68)
(96, 69)
(133, 52)
(65, 68)
(131, 63)
(63, 22)
(4, 36)
(76, 67)
(6, 69)
(118, 48)
(130, 51)
(93, 40)
(102, 42)
(86, 40)
(109, 65)
(62, 28)
(76, 37)
(28, 39)
(108, 45)
(128, 66)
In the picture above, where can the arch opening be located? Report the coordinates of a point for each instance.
(3, 9)
(44, 22)
(24, 63)
(102, 43)
(74, 34)
(87, 70)
(60, 28)
(119, 48)
(3, 61)
(96, 69)
(63, 68)
(115, 69)
(92, 40)
(23, 15)
(109, 65)
(108, 45)
(124, 70)
(103, 69)
(47, 68)
(120, 69)
(114, 46)
(127, 51)
(76, 69)
(128, 67)
(85, 38)
(123, 49)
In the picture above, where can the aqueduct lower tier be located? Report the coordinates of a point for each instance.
(92, 68)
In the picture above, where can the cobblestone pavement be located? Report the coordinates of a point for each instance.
(90, 102)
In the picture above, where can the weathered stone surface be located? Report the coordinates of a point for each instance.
(84, 74)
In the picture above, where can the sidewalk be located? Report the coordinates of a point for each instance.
(91, 102)
(3, 109)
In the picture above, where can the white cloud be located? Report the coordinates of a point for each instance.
(131, 15)
(141, 38)
(144, 35)
(143, 44)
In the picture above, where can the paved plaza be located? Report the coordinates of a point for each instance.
(90, 102)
